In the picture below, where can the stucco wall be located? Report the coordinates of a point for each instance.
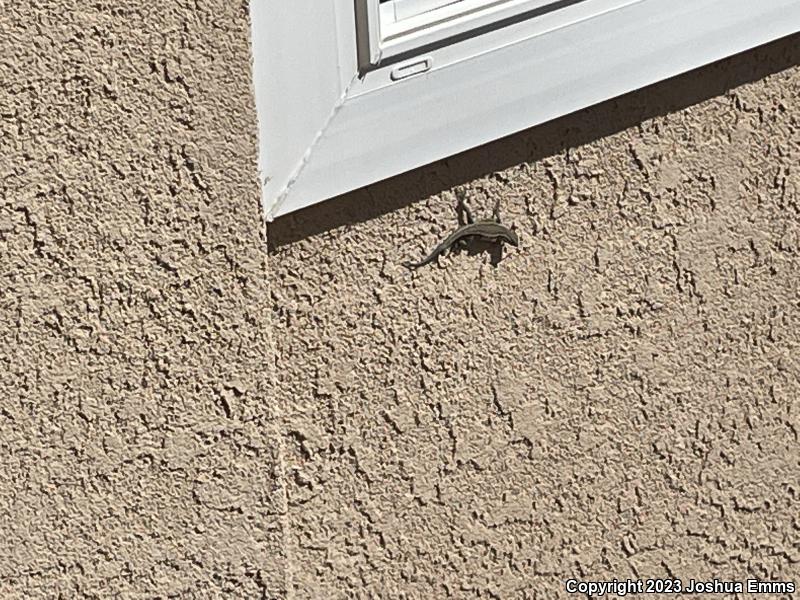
(136, 425)
(188, 411)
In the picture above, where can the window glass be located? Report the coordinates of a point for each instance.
(403, 9)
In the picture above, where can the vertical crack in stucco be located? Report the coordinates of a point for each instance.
(276, 416)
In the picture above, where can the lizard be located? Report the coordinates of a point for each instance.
(490, 230)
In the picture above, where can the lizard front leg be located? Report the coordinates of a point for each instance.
(496, 212)
(462, 209)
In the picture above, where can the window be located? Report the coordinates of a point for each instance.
(350, 92)
(401, 27)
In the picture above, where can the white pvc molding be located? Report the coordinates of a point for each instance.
(328, 127)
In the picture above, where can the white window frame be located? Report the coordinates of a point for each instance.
(393, 39)
(334, 117)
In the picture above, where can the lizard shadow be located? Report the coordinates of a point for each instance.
(495, 250)
(474, 247)
(534, 144)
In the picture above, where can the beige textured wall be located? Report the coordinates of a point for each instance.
(618, 398)
(136, 427)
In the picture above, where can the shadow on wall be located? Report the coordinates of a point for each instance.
(538, 142)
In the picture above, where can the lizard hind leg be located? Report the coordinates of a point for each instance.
(464, 213)
(461, 244)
